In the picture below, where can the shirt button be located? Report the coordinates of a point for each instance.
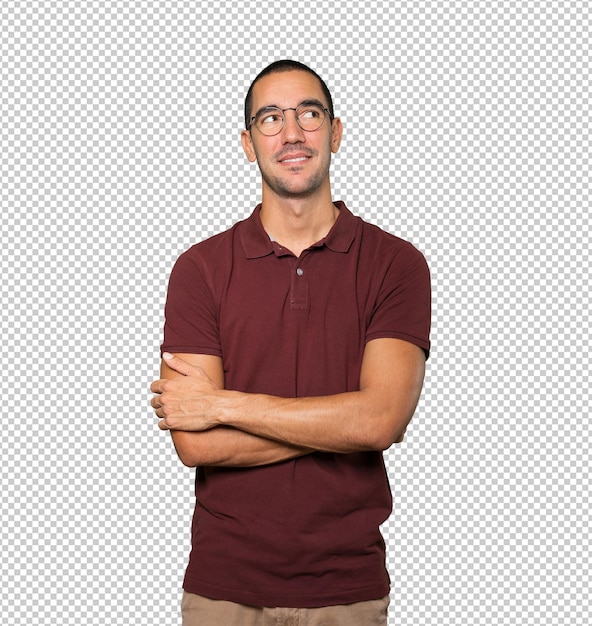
(300, 271)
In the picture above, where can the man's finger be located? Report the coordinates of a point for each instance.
(156, 386)
(178, 364)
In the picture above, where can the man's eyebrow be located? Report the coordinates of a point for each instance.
(266, 108)
(312, 101)
(277, 106)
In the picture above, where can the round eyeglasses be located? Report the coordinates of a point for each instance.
(270, 120)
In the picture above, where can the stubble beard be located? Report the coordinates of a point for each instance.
(285, 188)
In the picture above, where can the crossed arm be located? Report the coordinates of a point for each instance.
(214, 426)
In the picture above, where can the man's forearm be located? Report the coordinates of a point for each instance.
(228, 447)
(342, 423)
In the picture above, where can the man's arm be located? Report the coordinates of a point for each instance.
(369, 419)
(223, 446)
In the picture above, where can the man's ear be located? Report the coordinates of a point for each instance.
(336, 134)
(247, 142)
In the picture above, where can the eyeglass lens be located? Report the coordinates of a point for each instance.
(310, 117)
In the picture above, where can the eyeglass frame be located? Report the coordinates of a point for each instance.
(282, 111)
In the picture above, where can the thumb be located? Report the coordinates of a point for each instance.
(178, 364)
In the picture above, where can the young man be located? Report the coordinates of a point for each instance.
(294, 354)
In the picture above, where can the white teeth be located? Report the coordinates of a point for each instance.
(295, 160)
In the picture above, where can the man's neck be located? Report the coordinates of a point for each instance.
(297, 223)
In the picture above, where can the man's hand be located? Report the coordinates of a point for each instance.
(185, 403)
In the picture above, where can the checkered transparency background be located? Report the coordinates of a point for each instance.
(467, 132)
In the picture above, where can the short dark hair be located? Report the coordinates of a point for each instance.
(285, 65)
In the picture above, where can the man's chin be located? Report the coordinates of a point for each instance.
(294, 189)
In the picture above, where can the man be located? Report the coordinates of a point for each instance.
(294, 354)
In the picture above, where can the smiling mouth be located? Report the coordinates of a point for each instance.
(295, 159)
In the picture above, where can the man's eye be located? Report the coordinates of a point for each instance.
(310, 114)
(270, 118)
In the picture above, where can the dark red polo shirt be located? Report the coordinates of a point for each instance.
(301, 533)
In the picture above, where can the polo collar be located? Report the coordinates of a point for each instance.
(256, 242)
(343, 233)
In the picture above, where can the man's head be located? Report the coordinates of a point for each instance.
(285, 65)
(291, 131)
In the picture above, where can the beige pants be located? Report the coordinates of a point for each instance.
(200, 611)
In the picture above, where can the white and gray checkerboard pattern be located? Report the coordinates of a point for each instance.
(467, 132)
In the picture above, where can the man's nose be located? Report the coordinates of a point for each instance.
(291, 132)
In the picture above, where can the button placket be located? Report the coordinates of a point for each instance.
(298, 288)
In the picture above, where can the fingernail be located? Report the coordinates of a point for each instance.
(167, 355)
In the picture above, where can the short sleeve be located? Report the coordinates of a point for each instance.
(403, 305)
(191, 318)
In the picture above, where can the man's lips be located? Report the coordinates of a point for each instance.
(296, 157)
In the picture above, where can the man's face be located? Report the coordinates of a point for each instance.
(293, 163)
